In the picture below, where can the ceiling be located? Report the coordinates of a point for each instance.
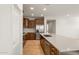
(53, 10)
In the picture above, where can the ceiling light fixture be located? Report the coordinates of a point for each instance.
(31, 8)
(44, 9)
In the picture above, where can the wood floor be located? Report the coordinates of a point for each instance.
(32, 47)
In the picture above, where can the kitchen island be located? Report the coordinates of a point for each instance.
(54, 44)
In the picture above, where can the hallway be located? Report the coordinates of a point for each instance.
(32, 47)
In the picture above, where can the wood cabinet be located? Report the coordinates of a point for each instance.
(42, 42)
(25, 22)
(45, 46)
(31, 24)
(31, 36)
(53, 50)
(39, 21)
(28, 36)
(48, 48)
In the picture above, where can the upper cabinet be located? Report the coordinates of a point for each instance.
(39, 21)
(31, 24)
(28, 23)
(25, 22)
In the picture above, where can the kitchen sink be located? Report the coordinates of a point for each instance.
(47, 35)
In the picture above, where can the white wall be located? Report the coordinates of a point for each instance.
(68, 27)
(10, 29)
(5, 29)
(17, 29)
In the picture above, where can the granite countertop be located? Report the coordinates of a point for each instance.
(62, 43)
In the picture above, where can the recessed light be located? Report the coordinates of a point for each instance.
(42, 15)
(31, 8)
(44, 9)
(32, 14)
(67, 15)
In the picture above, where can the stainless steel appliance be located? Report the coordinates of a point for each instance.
(39, 29)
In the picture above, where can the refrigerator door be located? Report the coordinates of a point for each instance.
(40, 28)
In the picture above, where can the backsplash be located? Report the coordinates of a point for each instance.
(29, 30)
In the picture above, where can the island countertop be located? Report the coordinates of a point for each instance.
(62, 43)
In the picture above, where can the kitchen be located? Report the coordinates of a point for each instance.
(47, 29)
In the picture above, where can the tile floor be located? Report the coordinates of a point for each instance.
(32, 47)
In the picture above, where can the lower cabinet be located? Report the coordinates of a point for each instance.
(48, 48)
(31, 36)
(53, 50)
(28, 36)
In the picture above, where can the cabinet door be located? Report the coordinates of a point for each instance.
(31, 23)
(54, 50)
(25, 22)
(40, 21)
(31, 36)
(47, 48)
(42, 43)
